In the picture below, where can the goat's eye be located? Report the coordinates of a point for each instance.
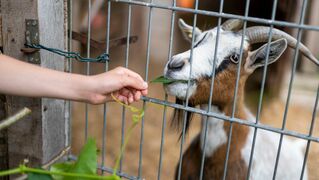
(234, 58)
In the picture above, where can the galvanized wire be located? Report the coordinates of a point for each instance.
(127, 52)
(234, 120)
(313, 119)
(148, 51)
(201, 174)
(108, 26)
(165, 108)
(187, 93)
(235, 92)
(224, 15)
(262, 89)
(301, 21)
(70, 24)
(88, 50)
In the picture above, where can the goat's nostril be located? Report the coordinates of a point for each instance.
(176, 65)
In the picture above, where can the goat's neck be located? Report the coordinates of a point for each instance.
(218, 130)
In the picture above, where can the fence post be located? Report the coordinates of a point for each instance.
(42, 135)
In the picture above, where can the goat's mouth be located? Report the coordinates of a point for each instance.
(180, 89)
(182, 81)
(171, 80)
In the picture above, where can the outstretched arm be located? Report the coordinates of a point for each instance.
(23, 79)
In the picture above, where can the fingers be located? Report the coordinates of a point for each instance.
(131, 79)
(133, 74)
(123, 99)
(133, 82)
(137, 95)
(144, 92)
(131, 95)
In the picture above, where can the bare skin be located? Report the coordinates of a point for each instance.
(23, 79)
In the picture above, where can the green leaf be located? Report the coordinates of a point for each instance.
(34, 176)
(61, 167)
(87, 160)
(165, 80)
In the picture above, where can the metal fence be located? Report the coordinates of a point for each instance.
(173, 8)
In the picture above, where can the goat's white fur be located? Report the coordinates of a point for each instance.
(265, 151)
(216, 135)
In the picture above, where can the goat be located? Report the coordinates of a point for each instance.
(226, 62)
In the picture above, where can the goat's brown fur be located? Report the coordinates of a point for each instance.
(223, 95)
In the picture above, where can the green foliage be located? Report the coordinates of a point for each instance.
(61, 167)
(85, 164)
(36, 176)
(165, 80)
(87, 160)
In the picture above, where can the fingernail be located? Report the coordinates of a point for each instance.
(145, 84)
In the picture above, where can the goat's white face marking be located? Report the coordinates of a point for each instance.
(203, 59)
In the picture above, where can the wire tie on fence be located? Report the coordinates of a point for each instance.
(75, 55)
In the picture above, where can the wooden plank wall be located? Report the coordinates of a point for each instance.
(43, 134)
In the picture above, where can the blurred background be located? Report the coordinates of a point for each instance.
(302, 99)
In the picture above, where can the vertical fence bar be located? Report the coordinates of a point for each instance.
(165, 107)
(274, 8)
(235, 93)
(70, 65)
(187, 93)
(149, 33)
(293, 71)
(127, 52)
(108, 20)
(313, 119)
(88, 48)
(221, 6)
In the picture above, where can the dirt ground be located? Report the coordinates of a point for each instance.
(298, 119)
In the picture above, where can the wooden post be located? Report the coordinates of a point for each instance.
(44, 134)
(3, 139)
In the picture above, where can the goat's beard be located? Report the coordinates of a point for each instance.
(182, 118)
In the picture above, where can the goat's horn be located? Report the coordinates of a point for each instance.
(232, 25)
(258, 34)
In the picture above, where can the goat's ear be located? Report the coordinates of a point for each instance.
(188, 30)
(258, 57)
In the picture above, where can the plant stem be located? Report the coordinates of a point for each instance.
(127, 137)
(10, 171)
(23, 169)
(136, 117)
(10, 120)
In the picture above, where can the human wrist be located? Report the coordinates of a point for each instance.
(88, 90)
(80, 88)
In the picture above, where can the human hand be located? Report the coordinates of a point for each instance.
(126, 85)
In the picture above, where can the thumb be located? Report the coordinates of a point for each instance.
(129, 81)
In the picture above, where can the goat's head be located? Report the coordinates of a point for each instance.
(226, 63)
(227, 58)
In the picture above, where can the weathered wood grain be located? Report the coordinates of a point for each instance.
(44, 133)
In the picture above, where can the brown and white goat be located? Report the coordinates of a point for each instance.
(227, 59)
